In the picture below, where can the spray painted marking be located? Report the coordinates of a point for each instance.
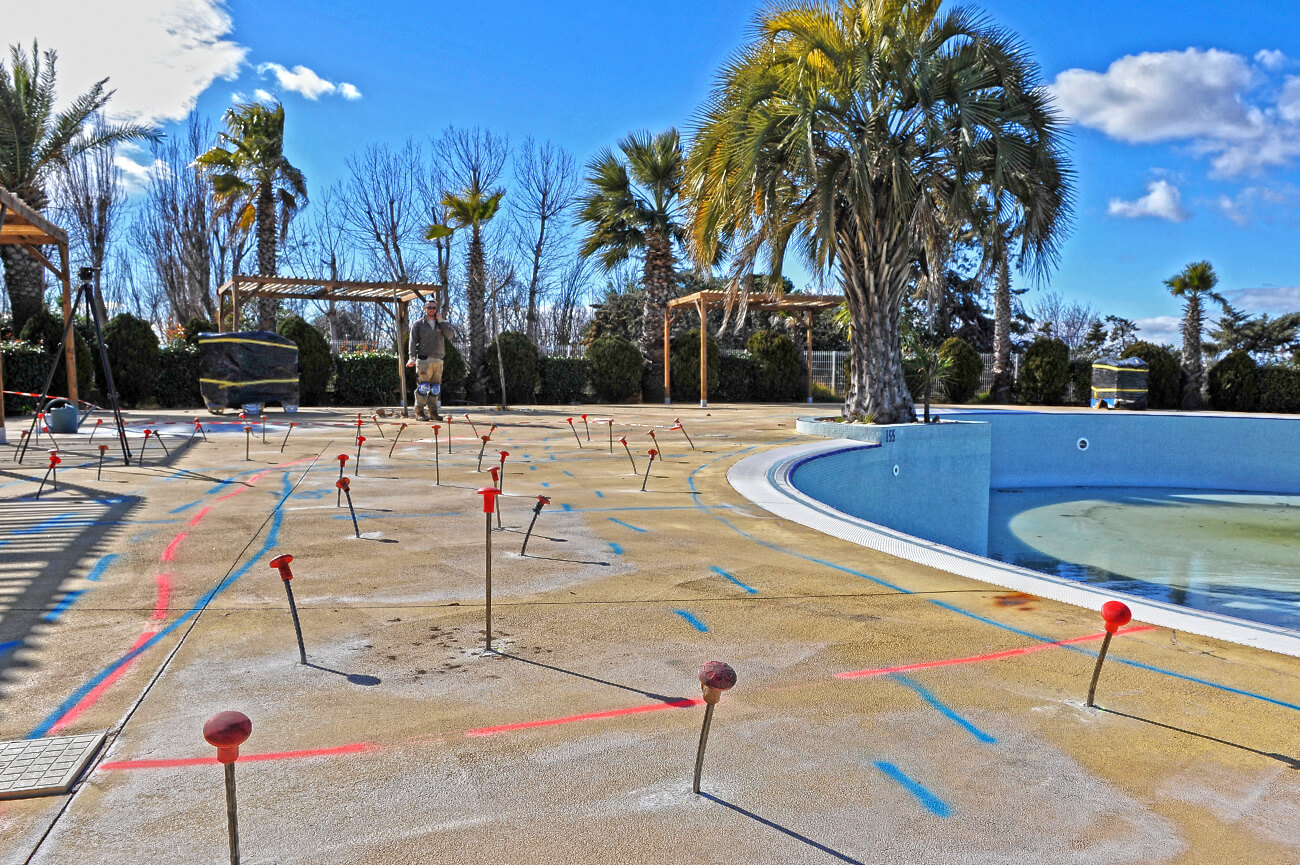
(647, 508)
(1137, 664)
(355, 748)
(532, 468)
(992, 656)
(101, 567)
(599, 494)
(720, 572)
(590, 716)
(85, 696)
(545, 484)
(925, 694)
(567, 472)
(933, 803)
(62, 606)
(12, 644)
(692, 621)
(566, 507)
(628, 525)
(615, 549)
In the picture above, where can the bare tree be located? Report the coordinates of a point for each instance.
(546, 179)
(325, 249)
(433, 188)
(1068, 321)
(89, 193)
(384, 213)
(567, 314)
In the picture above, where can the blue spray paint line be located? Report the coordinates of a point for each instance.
(925, 694)
(396, 516)
(532, 468)
(566, 506)
(647, 508)
(43, 526)
(62, 606)
(12, 644)
(933, 803)
(272, 539)
(692, 621)
(720, 572)
(615, 549)
(1117, 660)
(814, 559)
(545, 484)
(567, 472)
(101, 566)
(628, 525)
(599, 494)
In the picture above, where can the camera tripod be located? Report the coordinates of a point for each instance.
(87, 293)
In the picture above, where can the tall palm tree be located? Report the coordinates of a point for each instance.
(632, 204)
(252, 177)
(34, 141)
(472, 209)
(857, 130)
(1194, 285)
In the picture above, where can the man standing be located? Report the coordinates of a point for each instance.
(426, 353)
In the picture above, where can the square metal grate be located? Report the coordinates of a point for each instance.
(44, 767)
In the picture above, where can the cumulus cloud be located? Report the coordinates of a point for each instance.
(1161, 330)
(1228, 107)
(305, 82)
(177, 49)
(1162, 201)
(1270, 299)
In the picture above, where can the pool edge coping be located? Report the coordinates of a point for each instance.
(764, 479)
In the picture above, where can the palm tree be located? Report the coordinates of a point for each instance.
(1194, 285)
(858, 130)
(252, 177)
(34, 141)
(472, 209)
(633, 204)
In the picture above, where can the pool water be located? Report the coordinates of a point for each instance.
(1232, 553)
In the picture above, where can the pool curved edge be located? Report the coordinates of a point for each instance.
(764, 479)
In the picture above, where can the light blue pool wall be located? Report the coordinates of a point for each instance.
(945, 471)
(941, 490)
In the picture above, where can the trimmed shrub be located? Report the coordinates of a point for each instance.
(366, 378)
(1279, 388)
(1081, 378)
(196, 326)
(1045, 372)
(522, 375)
(1164, 375)
(615, 368)
(685, 369)
(25, 368)
(454, 372)
(314, 360)
(133, 351)
(178, 376)
(964, 374)
(45, 329)
(1234, 383)
(737, 373)
(564, 379)
(780, 374)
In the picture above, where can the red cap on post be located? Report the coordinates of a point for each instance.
(570, 420)
(653, 453)
(489, 495)
(148, 433)
(493, 471)
(1117, 615)
(343, 484)
(227, 731)
(343, 458)
(360, 440)
(437, 427)
(546, 500)
(486, 439)
(54, 459)
(584, 417)
(622, 440)
(100, 420)
(281, 563)
(503, 455)
(717, 674)
(103, 448)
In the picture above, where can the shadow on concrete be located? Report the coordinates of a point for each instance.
(558, 559)
(778, 827)
(650, 694)
(1281, 758)
(354, 678)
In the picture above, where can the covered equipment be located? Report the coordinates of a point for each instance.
(1119, 383)
(248, 369)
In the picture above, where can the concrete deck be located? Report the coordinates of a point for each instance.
(963, 739)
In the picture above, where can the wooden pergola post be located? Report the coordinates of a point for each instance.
(703, 306)
(808, 321)
(668, 375)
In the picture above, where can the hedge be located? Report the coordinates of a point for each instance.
(685, 365)
(615, 368)
(314, 360)
(1081, 378)
(133, 351)
(1279, 388)
(780, 376)
(737, 373)
(46, 330)
(25, 368)
(1045, 372)
(367, 378)
(965, 370)
(521, 362)
(454, 373)
(1234, 383)
(178, 377)
(1164, 375)
(564, 380)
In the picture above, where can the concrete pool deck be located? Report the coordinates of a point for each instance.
(885, 711)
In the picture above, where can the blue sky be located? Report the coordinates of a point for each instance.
(1186, 139)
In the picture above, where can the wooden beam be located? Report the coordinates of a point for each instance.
(668, 373)
(36, 253)
(808, 320)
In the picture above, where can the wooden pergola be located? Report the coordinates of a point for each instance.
(241, 288)
(703, 301)
(22, 226)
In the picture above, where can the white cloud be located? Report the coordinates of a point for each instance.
(1270, 299)
(1226, 106)
(263, 95)
(1161, 330)
(1245, 207)
(305, 82)
(1162, 201)
(159, 55)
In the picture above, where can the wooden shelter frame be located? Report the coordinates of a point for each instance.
(20, 225)
(703, 301)
(240, 288)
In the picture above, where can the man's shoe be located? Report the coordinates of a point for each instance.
(420, 414)
(437, 417)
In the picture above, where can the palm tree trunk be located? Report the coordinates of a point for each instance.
(25, 281)
(266, 239)
(659, 278)
(1193, 367)
(1003, 373)
(475, 289)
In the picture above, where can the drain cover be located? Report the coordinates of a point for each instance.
(44, 767)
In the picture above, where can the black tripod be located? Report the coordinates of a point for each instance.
(85, 292)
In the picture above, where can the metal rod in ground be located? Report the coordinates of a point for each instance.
(586, 428)
(232, 814)
(576, 437)
(247, 432)
(227, 731)
(356, 466)
(395, 438)
(51, 468)
(488, 586)
(147, 433)
(704, 740)
(95, 429)
(542, 501)
(343, 485)
(263, 429)
(158, 437)
(449, 433)
(286, 437)
(338, 495)
(375, 418)
(99, 475)
(437, 469)
(1096, 671)
(611, 435)
(19, 448)
(53, 443)
(297, 627)
(647, 469)
(482, 448)
(677, 424)
(471, 423)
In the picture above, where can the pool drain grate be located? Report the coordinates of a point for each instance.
(44, 767)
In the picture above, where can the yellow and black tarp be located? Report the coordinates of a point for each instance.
(1119, 383)
(256, 366)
